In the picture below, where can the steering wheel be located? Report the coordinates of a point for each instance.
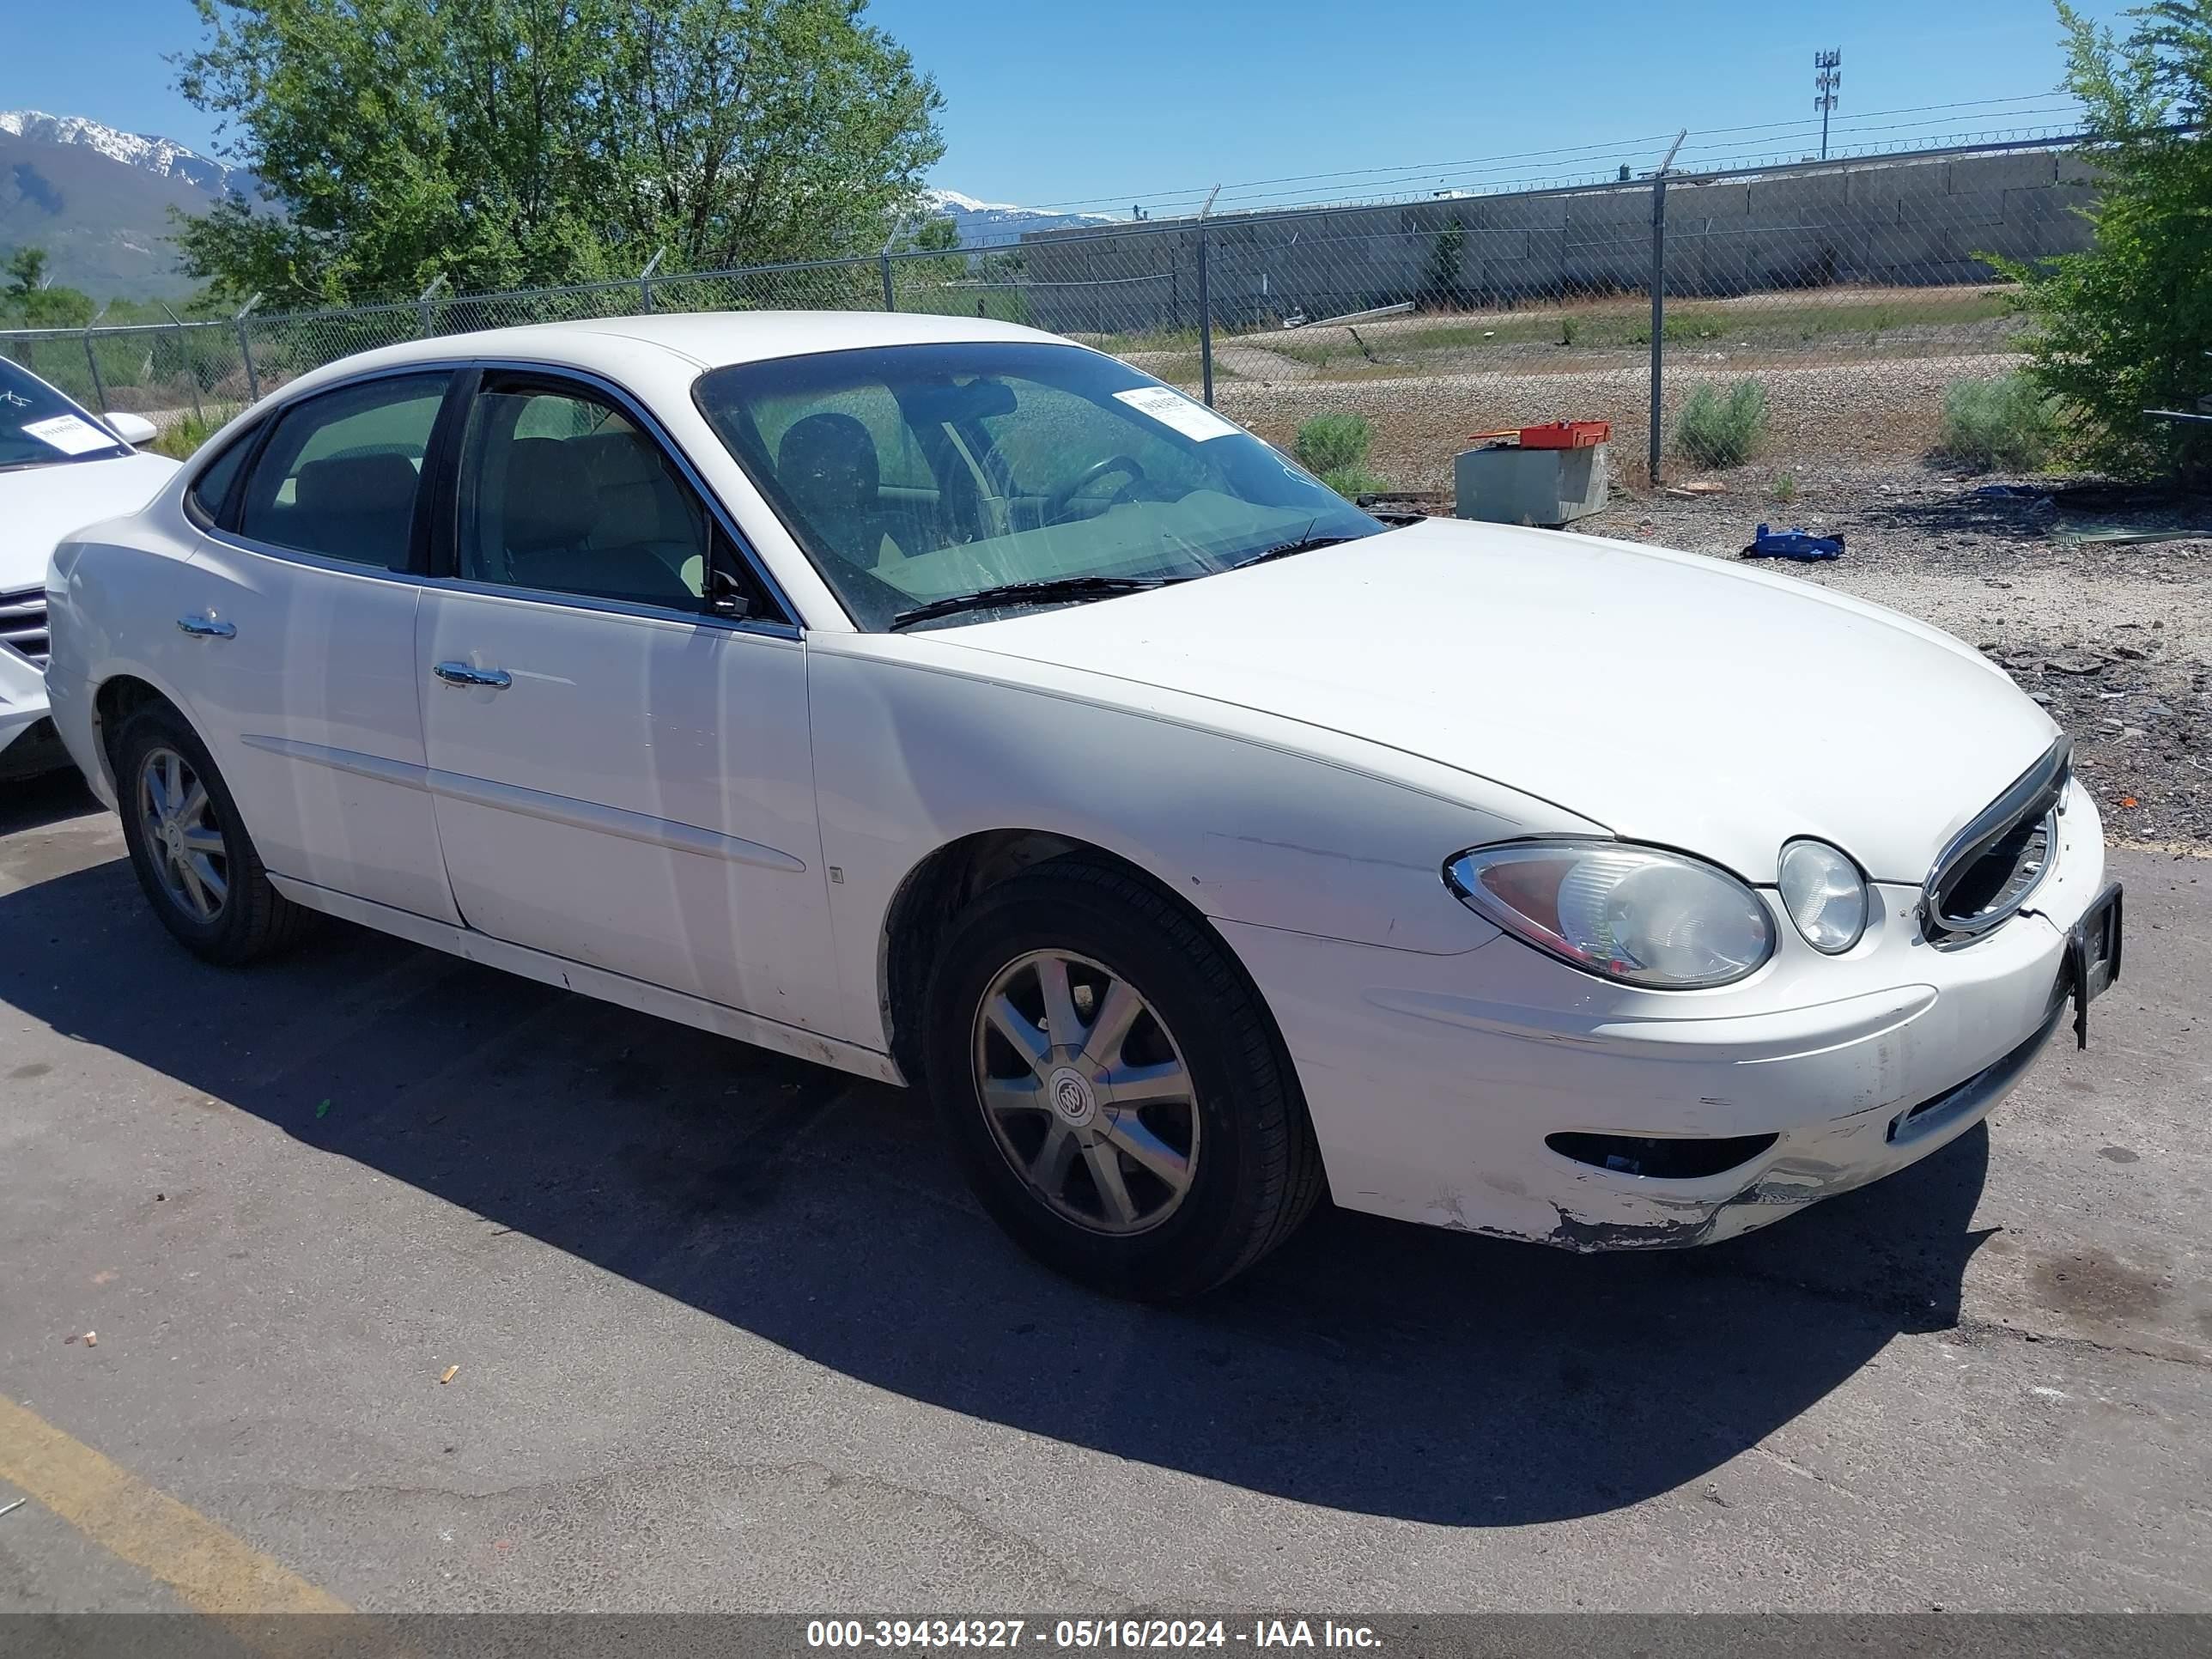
(1055, 505)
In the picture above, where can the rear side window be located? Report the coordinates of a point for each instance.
(210, 491)
(339, 474)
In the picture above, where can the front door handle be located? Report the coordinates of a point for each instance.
(461, 673)
(207, 628)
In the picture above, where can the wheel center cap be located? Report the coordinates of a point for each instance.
(173, 837)
(1072, 1097)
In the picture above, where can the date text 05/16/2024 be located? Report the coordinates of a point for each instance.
(1087, 1633)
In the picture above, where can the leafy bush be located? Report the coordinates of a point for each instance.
(1354, 481)
(1718, 430)
(182, 436)
(1445, 251)
(1333, 443)
(2127, 325)
(2010, 423)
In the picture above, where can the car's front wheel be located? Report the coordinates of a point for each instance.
(1113, 1088)
(192, 856)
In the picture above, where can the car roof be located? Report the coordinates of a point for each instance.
(693, 340)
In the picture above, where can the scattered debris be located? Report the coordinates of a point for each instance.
(92, 1339)
(2120, 535)
(9, 1509)
(323, 1108)
(1798, 543)
(2074, 662)
(1696, 488)
(452, 1372)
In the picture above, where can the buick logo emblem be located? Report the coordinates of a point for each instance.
(1072, 1097)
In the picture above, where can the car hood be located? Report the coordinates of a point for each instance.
(1673, 698)
(39, 505)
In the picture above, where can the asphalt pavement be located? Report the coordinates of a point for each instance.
(729, 1334)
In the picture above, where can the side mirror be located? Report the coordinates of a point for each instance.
(725, 595)
(134, 429)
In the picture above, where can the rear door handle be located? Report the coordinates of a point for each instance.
(461, 673)
(208, 627)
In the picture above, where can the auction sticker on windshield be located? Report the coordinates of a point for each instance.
(69, 435)
(1170, 408)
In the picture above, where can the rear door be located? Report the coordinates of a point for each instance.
(622, 770)
(300, 618)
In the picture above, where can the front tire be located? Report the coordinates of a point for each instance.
(193, 858)
(1112, 1086)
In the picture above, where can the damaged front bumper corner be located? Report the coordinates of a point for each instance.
(1802, 1167)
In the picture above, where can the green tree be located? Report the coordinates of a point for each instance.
(942, 236)
(501, 142)
(34, 300)
(2127, 325)
(27, 273)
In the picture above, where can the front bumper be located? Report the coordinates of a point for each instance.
(26, 741)
(1434, 1081)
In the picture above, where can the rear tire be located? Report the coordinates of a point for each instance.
(193, 858)
(1155, 1146)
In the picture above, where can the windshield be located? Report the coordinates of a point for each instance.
(914, 476)
(39, 427)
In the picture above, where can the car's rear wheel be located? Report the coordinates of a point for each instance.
(1114, 1090)
(193, 858)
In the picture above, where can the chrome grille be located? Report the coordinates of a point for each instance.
(1992, 865)
(23, 623)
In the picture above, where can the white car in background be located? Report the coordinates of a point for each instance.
(60, 467)
(946, 702)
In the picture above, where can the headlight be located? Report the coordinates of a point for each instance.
(1630, 914)
(1824, 895)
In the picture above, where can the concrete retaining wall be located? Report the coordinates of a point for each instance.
(1899, 220)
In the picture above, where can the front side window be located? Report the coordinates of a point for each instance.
(39, 427)
(339, 473)
(561, 492)
(915, 476)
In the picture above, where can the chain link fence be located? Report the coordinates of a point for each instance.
(1852, 293)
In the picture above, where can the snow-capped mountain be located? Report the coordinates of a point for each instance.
(982, 223)
(148, 154)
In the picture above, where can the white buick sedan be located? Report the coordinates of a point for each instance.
(951, 704)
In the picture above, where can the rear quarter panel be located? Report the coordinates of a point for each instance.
(115, 591)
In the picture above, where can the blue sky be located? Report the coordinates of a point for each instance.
(1053, 103)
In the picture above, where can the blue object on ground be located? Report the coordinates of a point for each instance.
(1793, 544)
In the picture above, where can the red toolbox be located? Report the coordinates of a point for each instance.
(1566, 435)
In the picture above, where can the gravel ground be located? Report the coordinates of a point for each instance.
(2116, 641)
(1882, 407)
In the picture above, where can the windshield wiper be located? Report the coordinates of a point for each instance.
(1032, 592)
(1304, 542)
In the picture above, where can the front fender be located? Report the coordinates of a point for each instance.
(1273, 824)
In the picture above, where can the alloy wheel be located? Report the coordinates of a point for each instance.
(183, 839)
(1085, 1091)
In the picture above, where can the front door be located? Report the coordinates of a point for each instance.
(621, 770)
